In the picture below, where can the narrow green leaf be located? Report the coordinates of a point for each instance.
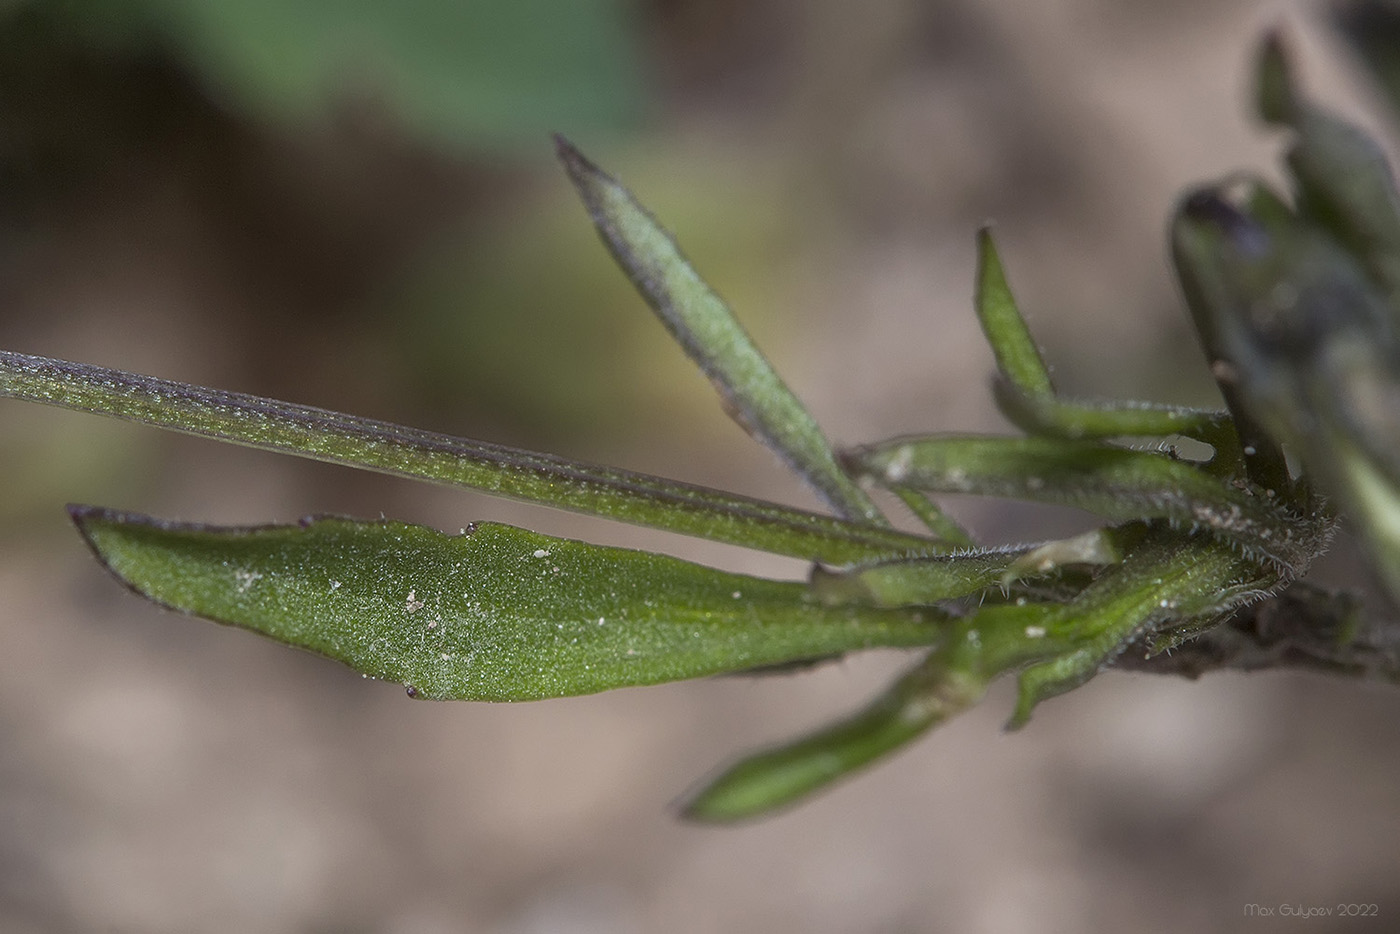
(1017, 356)
(1056, 418)
(952, 678)
(1371, 29)
(922, 698)
(407, 452)
(1114, 482)
(1276, 95)
(933, 579)
(1343, 180)
(1026, 395)
(1168, 578)
(921, 581)
(1052, 572)
(496, 613)
(1212, 299)
(944, 528)
(700, 321)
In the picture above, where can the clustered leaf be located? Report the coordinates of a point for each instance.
(1302, 304)
(1296, 304)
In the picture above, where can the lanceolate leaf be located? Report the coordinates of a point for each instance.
(1018, 358)
(710, 334)
(1211, 297)
(492, 468)
(951, 678)
(1109, 481)
(944, 528)
(1054, 418)
(1026, 395)
(1343, 182)
(496, 613)
(922, 698)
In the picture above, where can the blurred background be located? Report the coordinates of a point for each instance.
(354, 205)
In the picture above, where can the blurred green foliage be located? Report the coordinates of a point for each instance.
(1371, 30)
(495, 74)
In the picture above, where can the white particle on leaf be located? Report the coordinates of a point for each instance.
(898, 467)
(737, 594)
(1035, 632)
(335, 585)
(541, 553)
(413, 604)
(246, 579)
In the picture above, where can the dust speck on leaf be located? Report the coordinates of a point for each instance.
(898, 467)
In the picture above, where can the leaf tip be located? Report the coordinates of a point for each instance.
(719, 802)
(566, 150)
(79, 513)
(101, 529)
(1277, 99)
(1020, 716)
(583, 172)
(86, 518)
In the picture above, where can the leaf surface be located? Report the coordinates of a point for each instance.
(306, 431)
(703, 324)
(496, 613)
